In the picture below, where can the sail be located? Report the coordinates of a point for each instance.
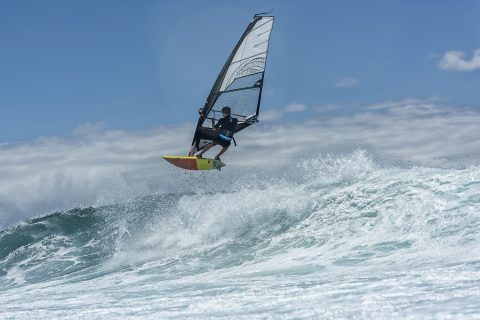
(240, 82)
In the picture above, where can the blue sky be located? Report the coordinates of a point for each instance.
(136, 65)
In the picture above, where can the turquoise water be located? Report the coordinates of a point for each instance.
(342, 237)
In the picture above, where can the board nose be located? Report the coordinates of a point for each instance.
(189, 163)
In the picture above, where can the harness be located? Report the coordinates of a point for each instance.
(226, 134)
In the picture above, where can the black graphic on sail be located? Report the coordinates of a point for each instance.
(239, 84)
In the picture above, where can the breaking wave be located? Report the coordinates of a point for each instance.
(337, 237)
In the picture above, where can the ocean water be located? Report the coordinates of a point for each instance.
(336, 237)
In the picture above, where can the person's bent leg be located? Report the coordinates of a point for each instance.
(206, 148)
(221, 152)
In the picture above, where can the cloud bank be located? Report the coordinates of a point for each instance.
(276, 114)
(97, 167)
(455, 61)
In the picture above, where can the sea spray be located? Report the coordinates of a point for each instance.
(335, 237)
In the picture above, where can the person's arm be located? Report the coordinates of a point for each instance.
(219, 123)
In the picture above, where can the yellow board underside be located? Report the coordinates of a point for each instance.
(200, 163)
(205, 164)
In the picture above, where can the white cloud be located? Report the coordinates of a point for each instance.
(404, 102)
(276, 114)
(98, 167)
(326, 108)
(455, 61)
(346, 82)
(333, 108)
(271, 115)
(295, 107)
(89, 129)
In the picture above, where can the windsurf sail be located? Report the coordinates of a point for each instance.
(239, 84)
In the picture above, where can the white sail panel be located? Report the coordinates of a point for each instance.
(251, 56)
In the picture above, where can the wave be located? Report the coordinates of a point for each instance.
(328, 214)
(347, 200)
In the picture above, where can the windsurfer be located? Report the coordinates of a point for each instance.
(226, 127)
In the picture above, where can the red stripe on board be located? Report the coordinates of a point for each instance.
(189, 164)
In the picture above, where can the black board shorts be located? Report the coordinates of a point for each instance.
(224, 143)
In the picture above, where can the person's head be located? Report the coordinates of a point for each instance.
(226, 111)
